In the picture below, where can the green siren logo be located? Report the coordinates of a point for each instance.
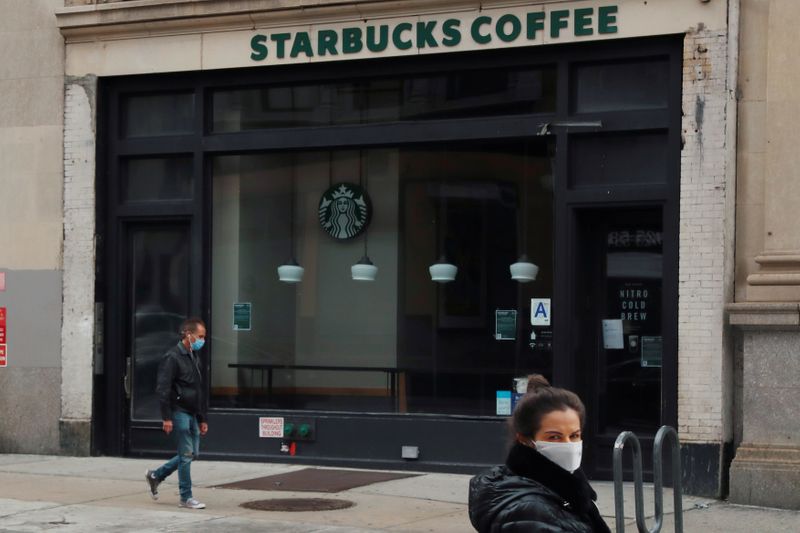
(344, 211)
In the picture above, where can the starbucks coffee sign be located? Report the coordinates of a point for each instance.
(345, 211)
(475, 30)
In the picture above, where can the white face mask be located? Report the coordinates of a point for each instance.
(567, 455)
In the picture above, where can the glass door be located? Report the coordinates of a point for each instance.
(157, 288)
(620, 318)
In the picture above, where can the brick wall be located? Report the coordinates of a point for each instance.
(705, 241)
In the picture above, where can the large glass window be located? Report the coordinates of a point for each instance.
(400, 343)
(471, 93)
(155, 115)
(621, 86)
(156, 179)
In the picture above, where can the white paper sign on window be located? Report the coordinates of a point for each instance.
(612, 334)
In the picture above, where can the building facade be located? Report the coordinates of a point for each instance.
(32, 184)
(206, 144)
(764, 317)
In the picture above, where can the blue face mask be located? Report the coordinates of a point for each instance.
(197, 344)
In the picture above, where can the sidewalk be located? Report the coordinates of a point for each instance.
(72, 494)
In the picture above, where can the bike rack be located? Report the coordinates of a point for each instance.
(658, 481)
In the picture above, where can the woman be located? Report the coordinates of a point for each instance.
(541, 486)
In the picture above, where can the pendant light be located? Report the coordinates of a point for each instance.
(523, 270)
(443, 271)
(364, 270)
(291, 271)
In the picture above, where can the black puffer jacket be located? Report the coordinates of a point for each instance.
(179, 383)
(532, 494)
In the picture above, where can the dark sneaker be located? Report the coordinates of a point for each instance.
(152, 483)
(191, 503)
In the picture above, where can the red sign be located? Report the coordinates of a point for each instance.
(3, 358)
(2, 325)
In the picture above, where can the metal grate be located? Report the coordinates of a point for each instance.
(315, 480)
(297, 505)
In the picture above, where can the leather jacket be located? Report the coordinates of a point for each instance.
(180, 383)
(531, 494)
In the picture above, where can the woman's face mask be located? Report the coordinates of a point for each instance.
(567, 455)
(559, 438)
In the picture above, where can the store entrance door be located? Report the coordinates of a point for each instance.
(156, 292)
(619, 313)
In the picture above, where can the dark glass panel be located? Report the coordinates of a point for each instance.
(157, 115)
(618, 159)
(159, 293)
(450, 95)
(631, 392)
(156, 178)
(623, 86)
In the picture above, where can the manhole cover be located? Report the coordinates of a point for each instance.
(298, 505)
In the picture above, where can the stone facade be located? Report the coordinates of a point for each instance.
(766, 468)
(31, 181)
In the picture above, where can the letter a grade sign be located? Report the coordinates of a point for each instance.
(540, 311)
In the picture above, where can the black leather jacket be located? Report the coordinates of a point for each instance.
(500, 501)
(530, 494)
(180, 383)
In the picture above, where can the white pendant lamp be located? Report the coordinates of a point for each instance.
(291, 271)
(364, 270)
(442, 271)
(523, 270)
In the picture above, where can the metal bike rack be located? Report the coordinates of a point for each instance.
(658, 481)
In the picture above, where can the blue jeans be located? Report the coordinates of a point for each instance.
(186, 432)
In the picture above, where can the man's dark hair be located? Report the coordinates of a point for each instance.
(541, 399)
(190, 325)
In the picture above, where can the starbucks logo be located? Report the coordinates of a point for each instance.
(344, 211)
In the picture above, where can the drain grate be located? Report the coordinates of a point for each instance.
(298, 505)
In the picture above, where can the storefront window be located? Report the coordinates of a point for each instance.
(158, 114)
(400, 343)
(488, 92)
(619, 159)
(156, 179)
(621, 86)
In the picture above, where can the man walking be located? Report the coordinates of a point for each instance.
(180, 394)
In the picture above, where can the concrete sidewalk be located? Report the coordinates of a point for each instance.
(72, 494)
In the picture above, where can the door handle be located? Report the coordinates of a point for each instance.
(126, 381)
